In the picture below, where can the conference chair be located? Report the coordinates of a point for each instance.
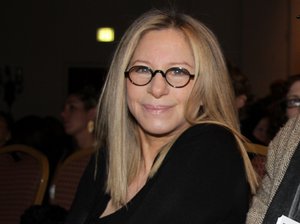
(24, 173)
(67, 177)
(258, 161)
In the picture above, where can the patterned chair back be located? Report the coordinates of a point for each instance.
(259, 157)
(24, 173)
(67, 177)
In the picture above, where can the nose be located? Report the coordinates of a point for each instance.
(158, 86)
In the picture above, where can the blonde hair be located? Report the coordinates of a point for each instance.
(211, 99)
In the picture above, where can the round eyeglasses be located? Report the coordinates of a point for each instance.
(294, 102)
(176, 77)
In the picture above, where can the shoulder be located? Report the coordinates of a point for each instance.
(206, 145)
(208, 127)
(289, 135)
(202, 133)
(284, 144)
(207, 140)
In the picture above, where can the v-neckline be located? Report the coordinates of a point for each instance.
(129, 205)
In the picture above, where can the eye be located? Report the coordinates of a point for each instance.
(178, 71)
(293, 102)
(141, 69)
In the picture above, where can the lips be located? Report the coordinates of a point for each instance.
(157, 109)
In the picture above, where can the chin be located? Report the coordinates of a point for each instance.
(161, 131)
(163, 128)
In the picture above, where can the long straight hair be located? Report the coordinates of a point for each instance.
(210, 101)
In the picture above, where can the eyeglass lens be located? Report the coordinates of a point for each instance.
(295, 102)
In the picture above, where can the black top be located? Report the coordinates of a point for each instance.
(201, 180)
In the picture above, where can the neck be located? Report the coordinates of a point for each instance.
(151, 146)
(84, 140)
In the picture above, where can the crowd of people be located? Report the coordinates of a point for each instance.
(57, 138)
(169, 128)
(261, 118)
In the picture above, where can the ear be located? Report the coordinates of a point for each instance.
(92, 113)
(240, 101)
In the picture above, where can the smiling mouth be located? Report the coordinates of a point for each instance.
(157, 109)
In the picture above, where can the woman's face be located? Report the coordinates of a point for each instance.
(74, 115)
(261, 130)
(158, 107)
(293, 93)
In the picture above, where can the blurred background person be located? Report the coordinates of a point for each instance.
(79, 115)
(265, 116)
(285, 104)
(240, 85)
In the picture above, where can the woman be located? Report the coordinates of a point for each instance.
(167, 154)
(79, 115)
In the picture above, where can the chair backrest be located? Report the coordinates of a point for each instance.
(257, 148)
(24, 173)
(259, 157)
(67, 177)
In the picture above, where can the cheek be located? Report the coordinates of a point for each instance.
(78, 117)
(183, 96)
(291, 112)
(132, 96)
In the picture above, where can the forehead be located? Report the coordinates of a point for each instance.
(73, 99)
(160, 46)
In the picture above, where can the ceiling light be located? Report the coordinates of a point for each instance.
(105, 34)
